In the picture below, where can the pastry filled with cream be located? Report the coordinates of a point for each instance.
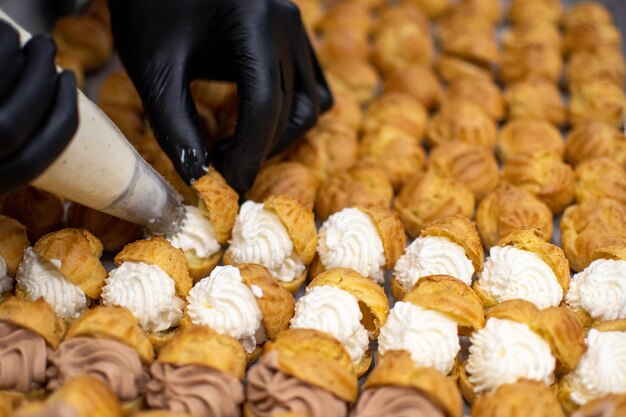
(64, 268)
(303, 372)
(13, 242)
(243, 302)
(198, 372)
(279, 234)
(368, 241)
(449, 246)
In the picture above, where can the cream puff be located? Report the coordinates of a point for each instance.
(405, 80)
(532, 33)
(549, 11)
(345, 110)
(600, 178)
(525, 136)
(597, 100)
(13, 243)
(594, 139)
(398, 110)
(588, 36)
(289, 178)
(531, 61)
(450, 68)
(356, 78)
(587, 12)
(400, 44)
(611, 405)
(598, 64)
(480, 90)
(535, 97)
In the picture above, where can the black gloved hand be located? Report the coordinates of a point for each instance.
(259, 44)
(38, 108)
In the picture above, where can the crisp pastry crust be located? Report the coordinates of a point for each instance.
(600, 178)
(461, 19)
(345, 109)
(356, 78)
(589, 36)
(287, 178)
(86, 38)
(399, 110)
(532, 33)
(397, 153)
(480, 90)
(525, 136)
(597, 100)
(524, 398)
(531, 61)
(550, 11)
(595, 139)
(450, 67)
(396, 368)
(612, 405)
(318, 359)
(364, 184)
(400, 13)
(427, 91)
(535, 98)
(346, 14)
(41, 212)
(590, 226)
(79, 254)
(587, 12)
(327, 149)
(464, 121)
(401, 43)
(433, 8)
(489, 10)
(37, 316)
(481, 49)
(599, 64)
(470, 165)
(430, 196)
(158, 251)
(13, 241)
(510, 208)
(390, 230)
(545, 175)
(343, 44)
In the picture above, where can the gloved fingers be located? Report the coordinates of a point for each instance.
(10, 57)
(169, 106)
(48, 142)
(24, 109)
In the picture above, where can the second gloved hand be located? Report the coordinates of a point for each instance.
(259, 44)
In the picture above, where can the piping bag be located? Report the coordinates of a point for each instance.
(100, 169)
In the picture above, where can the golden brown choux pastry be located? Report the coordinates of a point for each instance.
(612, 405)
(311, 12)
(461, 120)
(590, 226)
(86, 38)
(591, 12)
(597, 100)
(397, 110)
(545, 175)
(473, 166)
(600, 178)
(450, 67)
(397, 153)
(431, 196)
(215, 95)
(401, 13)
(489, 10)
(525, 397)
(433, 8)
(346, 14)
(535, 98)
(549, 11)
(288, 178)
(327, 149)
(481, 49)
(40, 211)
(532, 33)
(399, 44)
(13, 242)
(365, 184)
(525, 136)
(345, 110)
(595, 139)
(346, 44)
(588, 36)
(480, 90)
(405, 80)
(510, 208)
(357, 78)
(533, 61)
(461, 19)
(599, 64)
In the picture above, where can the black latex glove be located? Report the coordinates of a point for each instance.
(38, 108)
(259, 44)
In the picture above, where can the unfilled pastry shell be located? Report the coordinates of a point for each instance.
(36, 316)
(345, 110)
(597, 100)
(399, 110)
(587, 12)
(160, 413)
(158, 251)
(527, 135)
(594, 139)
(590, 36)
(13, 242)
(113, 323)
(450, 68)
(524, 398)
(356, 78)
(79, 254)
(600, 178)
(550, 11)
(480, 90)
(40, 211)
(86, 38)
(317, 359)
(401, 44)
(535, 97)
(600, 64)
(531, 61)
(418, 81)
(396, 368)
(288, 178)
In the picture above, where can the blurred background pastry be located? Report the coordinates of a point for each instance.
(40, 211)
(289, 178)
(13, 242)
(611, 405)
(525, 397)
(356, 78)
(480, 90)
(345, 109)
(598, 64)
(600, 178)
(525, 136)
(597, 100)
(450, 68)
(397, 110)
(549, 11)
(405, 80)
(594, 139)
(535, 97)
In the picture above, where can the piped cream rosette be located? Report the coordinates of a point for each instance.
(349, 307)
(598, 293)
(13, 242)
(524, 266)
(367, 240)
(426, 324)
(243, 302)
(208, 226)
(279, 234)
(600, 371)
(399, 387)
(518, 342)
(450, 246)
(64, 268)
(523, 398)
(152, 281)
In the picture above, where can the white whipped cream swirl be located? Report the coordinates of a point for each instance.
(348, 239)
(600, 290)
(260, 237)
(504, 352)
(602, 369)
(6, 282)
(225, 304)
(148, 292)
(196, 235)
(511, 273)
(433, 255)
(429, 336)
(40, 278)
(334, 311)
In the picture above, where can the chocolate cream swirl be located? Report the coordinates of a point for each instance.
(272, 391)
(116, 364)
(194, 389)
(23, 358)
(395, 402)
